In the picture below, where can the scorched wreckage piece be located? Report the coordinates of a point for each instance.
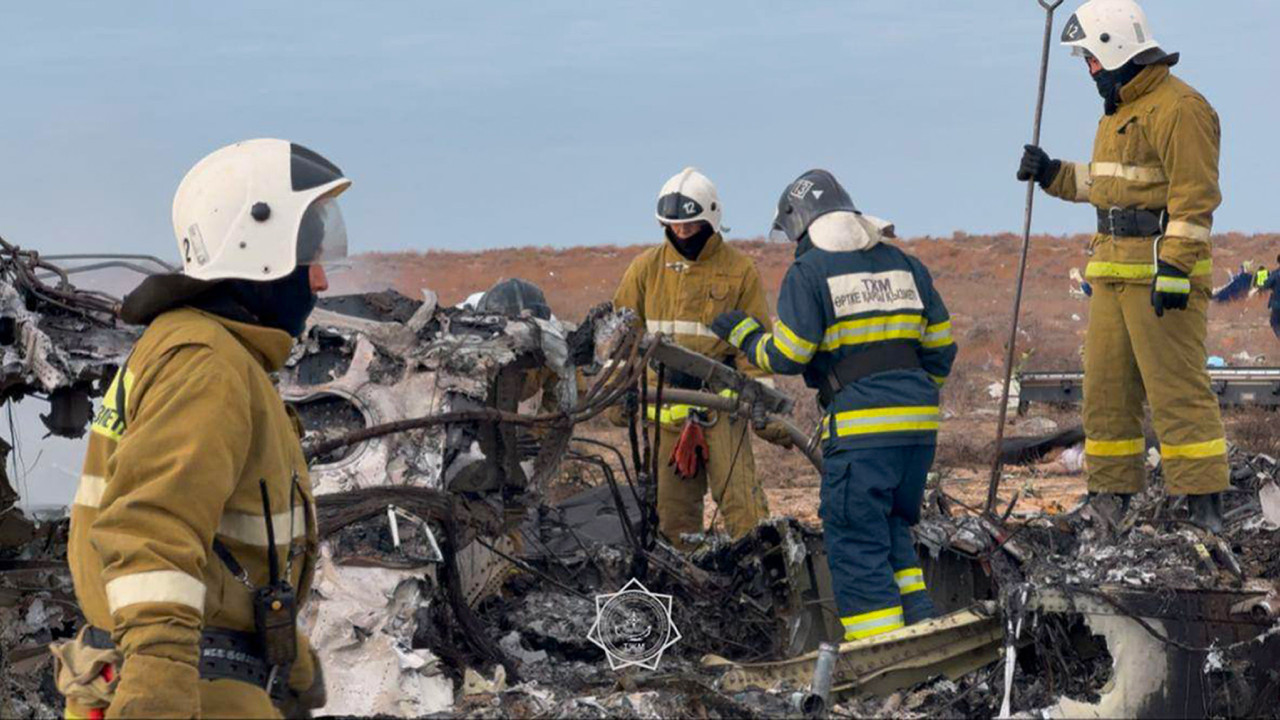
(443, 555)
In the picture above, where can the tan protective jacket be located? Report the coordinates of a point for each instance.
(1159, 151)
(681, 297)
(177, 465)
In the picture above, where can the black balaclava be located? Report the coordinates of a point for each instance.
(1110, 82)
(692, 247)
(282, 304)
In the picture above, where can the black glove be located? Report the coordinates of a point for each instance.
(734, 327)
(1037, 165)
(1171, 289)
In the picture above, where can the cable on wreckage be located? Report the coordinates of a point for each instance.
(23, 266)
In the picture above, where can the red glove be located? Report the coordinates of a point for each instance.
(690, 453)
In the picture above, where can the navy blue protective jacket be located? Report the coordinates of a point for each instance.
(848, 294)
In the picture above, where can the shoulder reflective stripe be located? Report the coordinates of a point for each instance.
(1173, 285)
(1132, 173)
(159, 586)
(936, 336)
(109, 422)
(89, 492)
(1194, 451)
(864, 625)
(250, 529)
(888, 327)
(1115, 448)
(1084, 181)
(680, 327)
(1179, 228)
(909, 580)
(743, 329)
(1137, 271)
(802, 348)
(762, 353)
(887, 420)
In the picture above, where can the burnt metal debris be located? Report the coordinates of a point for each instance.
(466, 535)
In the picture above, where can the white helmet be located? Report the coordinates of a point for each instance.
(689, 197)
(258, 209)
(1114, 32)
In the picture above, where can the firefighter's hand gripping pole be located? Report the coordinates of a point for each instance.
(996, 465)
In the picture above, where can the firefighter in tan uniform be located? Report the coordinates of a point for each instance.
(193, 529)
(677, 289)
(1154, 182)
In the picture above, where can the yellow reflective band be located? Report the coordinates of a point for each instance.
(1132, 173)
(939, 380)
(1183, 229)
(909, 580)
(1115, 448)
(1194, 451)
(936, 336)
(887, 420)
(794, 347)
(1173, 285)
(866, 625)
(89, 492)
(876, 329)
(669, 415)
(1084, 181)
(762, 353)
(1137, 271)
(1260, 278)
(109, 422)
(155, 586)
(742, 330)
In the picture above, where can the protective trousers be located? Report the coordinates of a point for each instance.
(734, 485)
(870, 499)
(1130, 354)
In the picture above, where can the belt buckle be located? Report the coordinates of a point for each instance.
(1111, 219)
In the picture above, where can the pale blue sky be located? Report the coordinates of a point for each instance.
(546, 122)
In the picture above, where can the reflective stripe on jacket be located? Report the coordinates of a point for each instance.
(1159, 152)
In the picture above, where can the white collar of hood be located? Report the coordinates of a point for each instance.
(844, 231)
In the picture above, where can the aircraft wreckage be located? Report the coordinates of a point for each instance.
(458, 575)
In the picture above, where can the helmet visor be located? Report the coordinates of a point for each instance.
(322, 235)
(776, 233)
(677, 208)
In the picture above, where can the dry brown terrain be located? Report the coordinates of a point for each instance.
(975, 275)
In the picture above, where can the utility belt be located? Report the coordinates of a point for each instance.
(883, 357)
(224, 655)
(1132, 222)
(673, 416)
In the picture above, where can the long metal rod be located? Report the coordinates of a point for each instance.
(997, 466)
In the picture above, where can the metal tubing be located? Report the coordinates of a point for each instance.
(997, 466)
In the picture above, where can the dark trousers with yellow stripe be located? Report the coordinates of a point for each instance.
(870, 499)
(1132, 355)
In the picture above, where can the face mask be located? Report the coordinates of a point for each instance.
(1110, 82)
(284, 304)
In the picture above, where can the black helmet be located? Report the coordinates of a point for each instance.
(513, 297)
(811, 196)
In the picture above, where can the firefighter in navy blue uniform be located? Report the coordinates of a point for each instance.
(861, 320)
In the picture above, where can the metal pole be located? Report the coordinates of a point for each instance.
(1011, 351)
